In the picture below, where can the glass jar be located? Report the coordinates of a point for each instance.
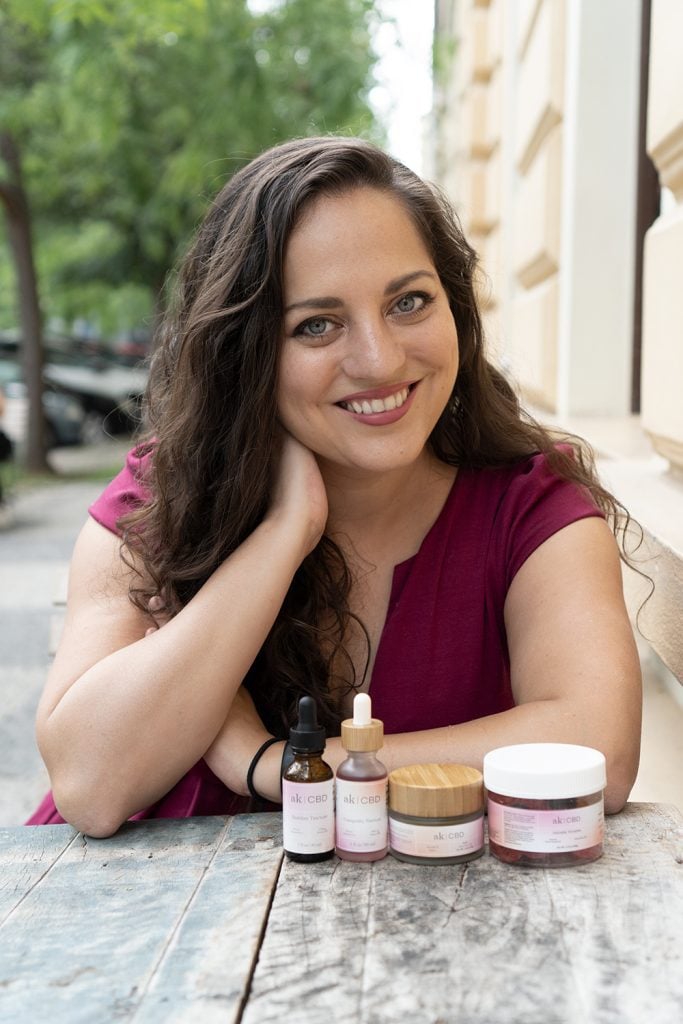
(545, 804)
(436, 813)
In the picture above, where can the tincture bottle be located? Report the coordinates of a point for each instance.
(361, 787)
(308, 791)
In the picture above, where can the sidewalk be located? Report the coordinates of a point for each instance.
(34, 556)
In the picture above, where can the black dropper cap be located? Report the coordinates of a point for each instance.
(307, 736)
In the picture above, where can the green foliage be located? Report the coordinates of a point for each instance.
(131, 114)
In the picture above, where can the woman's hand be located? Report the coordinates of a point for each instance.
(299, 495)
(242, 733)
(157, 609)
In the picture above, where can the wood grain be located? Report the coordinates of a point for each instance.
(482, 942)
(26, 857)
(165, 923)
(159, 923)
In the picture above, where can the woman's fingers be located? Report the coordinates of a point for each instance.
(156, 607)
(299, 492)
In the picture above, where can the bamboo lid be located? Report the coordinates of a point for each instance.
(362, 737)
(362, 733)
(436, 790)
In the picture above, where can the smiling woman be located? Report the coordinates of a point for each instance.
(336, 491)
(386, 353)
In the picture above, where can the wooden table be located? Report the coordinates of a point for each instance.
(202, 920)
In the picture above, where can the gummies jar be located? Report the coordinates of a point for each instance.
(545, 804)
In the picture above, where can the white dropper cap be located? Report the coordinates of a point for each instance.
(362, 732)
(362, 709)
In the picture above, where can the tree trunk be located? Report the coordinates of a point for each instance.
(19, 232)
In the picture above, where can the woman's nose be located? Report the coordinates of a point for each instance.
(374, 353)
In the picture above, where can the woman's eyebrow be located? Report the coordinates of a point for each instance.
(326, 302)
(401, 282)
(330, 302)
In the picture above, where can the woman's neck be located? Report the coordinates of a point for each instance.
(391, 510)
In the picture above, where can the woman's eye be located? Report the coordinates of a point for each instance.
(315, 328)
(412, 303)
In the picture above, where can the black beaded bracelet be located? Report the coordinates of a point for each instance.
(287, 758)
(254, 761)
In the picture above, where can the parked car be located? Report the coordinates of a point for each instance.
(64, 415)
(109, 393)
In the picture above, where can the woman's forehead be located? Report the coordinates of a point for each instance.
(359, 231)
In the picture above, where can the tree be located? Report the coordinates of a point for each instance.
(22, 67)
(156, 103)
(14, 198)
(130, 115)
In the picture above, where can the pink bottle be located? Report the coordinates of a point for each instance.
(361, 788)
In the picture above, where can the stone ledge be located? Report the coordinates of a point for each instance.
(642, 480)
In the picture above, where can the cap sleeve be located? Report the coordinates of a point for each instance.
(126, 492)
(536, 505)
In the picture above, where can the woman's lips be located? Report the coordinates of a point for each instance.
(381, 406)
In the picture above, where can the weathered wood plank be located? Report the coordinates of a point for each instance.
(26, 856)
(100, 934)
(205, 972)
(390, 942)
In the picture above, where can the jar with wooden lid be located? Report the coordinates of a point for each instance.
(436, 813)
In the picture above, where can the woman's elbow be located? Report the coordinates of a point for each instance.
(621, 775)
(86, 811)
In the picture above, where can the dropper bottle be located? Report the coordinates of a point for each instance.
(361, 796)
(308, 791)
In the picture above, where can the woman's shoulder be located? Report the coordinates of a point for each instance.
(526, 479)
(508, 510)
(530, 500)
(129, 490)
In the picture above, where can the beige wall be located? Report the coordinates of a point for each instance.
(538, 144)
(662, 380)
(537, 141)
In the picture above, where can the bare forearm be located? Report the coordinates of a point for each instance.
(467, 743)
(135, 722)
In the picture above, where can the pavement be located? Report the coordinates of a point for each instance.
(34, 555)
(35, 549)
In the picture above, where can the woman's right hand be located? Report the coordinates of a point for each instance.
(299, 495)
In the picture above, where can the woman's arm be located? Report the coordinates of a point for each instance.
(124, 714)
(574, 665)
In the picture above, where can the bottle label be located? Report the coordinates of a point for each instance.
(559, 831)
(308, 816)
(362, 815)
(454, 840)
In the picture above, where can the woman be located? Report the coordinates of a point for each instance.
(339, 491)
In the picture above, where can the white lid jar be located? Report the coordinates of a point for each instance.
(545, 803)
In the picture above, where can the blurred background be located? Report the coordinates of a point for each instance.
(556, 127)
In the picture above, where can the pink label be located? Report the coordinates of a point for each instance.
(308, 816)
(561, 831)
(455, 840)
(362, 815)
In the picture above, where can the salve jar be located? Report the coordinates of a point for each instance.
(436, 813)
(545, 803)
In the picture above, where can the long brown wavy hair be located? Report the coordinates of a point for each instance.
(211, 414)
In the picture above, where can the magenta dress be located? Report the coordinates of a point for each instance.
(442, 657)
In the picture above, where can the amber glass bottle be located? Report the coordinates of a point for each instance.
(308, 791)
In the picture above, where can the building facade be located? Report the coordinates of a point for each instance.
(559, 136)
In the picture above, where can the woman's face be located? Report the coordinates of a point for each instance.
(370, 351)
